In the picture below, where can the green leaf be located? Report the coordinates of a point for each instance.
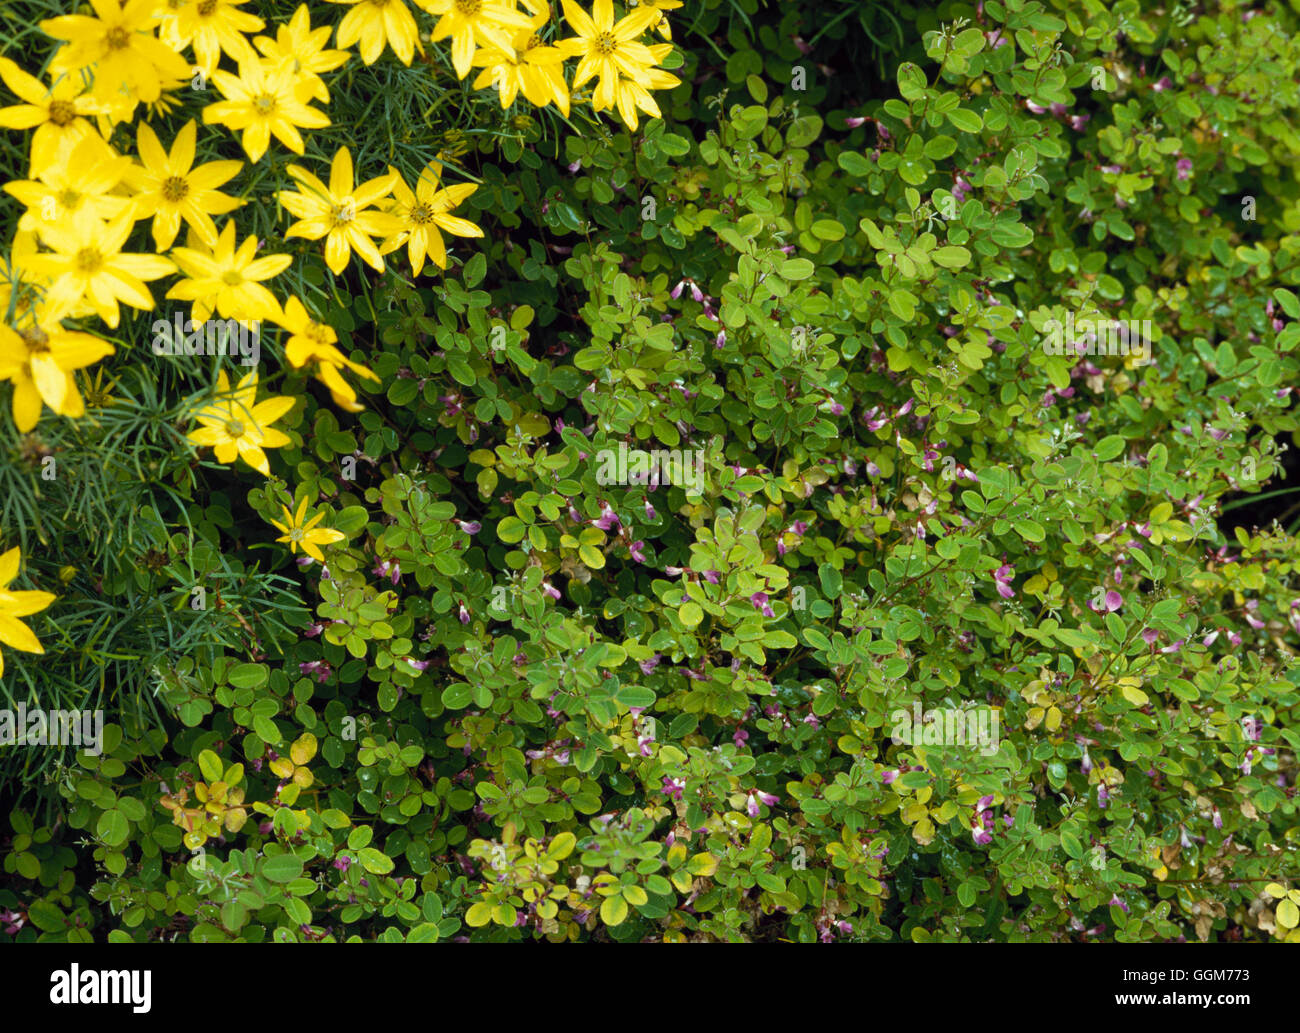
(281, 868)
(376, 862)
(964, 120)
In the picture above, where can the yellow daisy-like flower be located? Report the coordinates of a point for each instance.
(88, 268)
(40, 364)
(376, 22)
(338, 213)
(313, 342)
(236, 425)
(227, 280)
(212, 26)
(57, 113)
(534, 69)
(171, 189)
(474, 23)
(261, 101)
(74, 187)
(120, 43)
(13, 632)
(611, 51)
(425, 211)
(659, 5)
(303, 48)
(308, 537)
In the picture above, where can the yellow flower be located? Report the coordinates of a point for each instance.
(304, 49)
(212, 26)
(57, 113)
(40, 364)
(261, 101)
(226, 279)
(376, 22)
(87, 267)
(423, 213)
(74, 187)
(234, 425)
(472, 23)
(13, 632)
(310, 341)
(309, 538)
(339, 213)
(626, 67)
(171, 189)
(120, 43)
(660, 6)
(534, 69)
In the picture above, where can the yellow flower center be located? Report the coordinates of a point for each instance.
(265, 104)
(206, 7)
(175, 188)
(69, 199)
(295, 534)
(235, 428)
(469, 8)
(37, 341)
(232, 277)
(89, 260)
(117, 38)
(62, 112)
(320, 333)
(533, 41)
(421, 214)
(344, 213)
(606, 43)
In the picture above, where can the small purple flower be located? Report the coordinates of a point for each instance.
(647, 666)
(1116, 902)
(721, 339)
(853, 121)
(760, 601)
(470, 527)
(637, 549)
(649, 510)
(608, 519)
(342, 863)
(712, 577)
(1184, 167)
(1002, 578)
(464, 614)
(551, 590)
(1149, 635)
(672, 787)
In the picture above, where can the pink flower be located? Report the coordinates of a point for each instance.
(464, 614)
(551, 590)
(637, 549)
(608, 519)
(1002, 578)
(469, 526)
(853, 121)
(1184, 167)
(649, 510)
(760, 601)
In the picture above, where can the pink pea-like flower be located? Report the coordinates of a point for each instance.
(1184, 167)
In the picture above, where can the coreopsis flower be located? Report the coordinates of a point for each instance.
(170, 188)
(236, 425)
(211, 27)
(263, 100)
(88, 269)
(608, 50)
(423, 213)
(307, 536)
(57, 113)
(661, 26)
(226, 279)
(40, 364)
(119, 42)
(74, 185)
(303, 49)
(376, 22)
(533, 69)
(338, 212)
(312, 342)
(475, 23)
(13, 632)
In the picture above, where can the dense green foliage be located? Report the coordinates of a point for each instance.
(514, 717)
